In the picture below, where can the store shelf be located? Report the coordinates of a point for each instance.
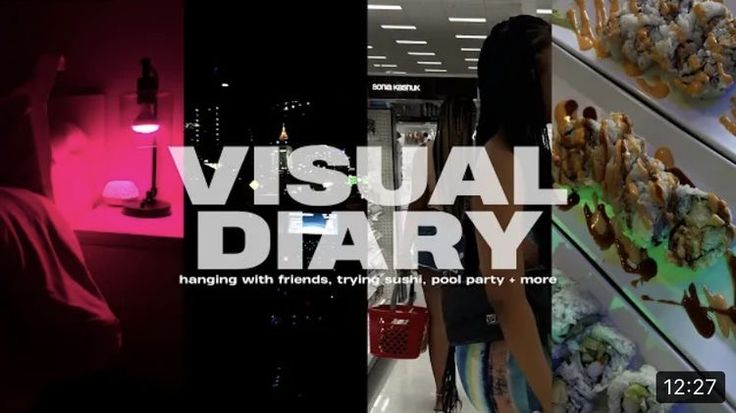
(697, 117)
(708, 170)
(653, 349)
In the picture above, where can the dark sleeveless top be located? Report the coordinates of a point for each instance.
(468, 314)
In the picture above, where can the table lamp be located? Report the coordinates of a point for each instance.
(147, 122)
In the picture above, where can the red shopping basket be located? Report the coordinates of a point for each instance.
(399, 332)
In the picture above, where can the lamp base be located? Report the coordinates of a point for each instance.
(147, 209)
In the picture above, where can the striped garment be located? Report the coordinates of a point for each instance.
(492, 380)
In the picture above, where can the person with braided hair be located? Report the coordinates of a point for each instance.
(496, 339)
(455, 127)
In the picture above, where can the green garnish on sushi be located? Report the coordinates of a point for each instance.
(633, 391)
(635, 399)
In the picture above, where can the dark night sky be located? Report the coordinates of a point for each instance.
(299, 347)
(271, 55)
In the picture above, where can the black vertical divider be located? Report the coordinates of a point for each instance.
(279, 347)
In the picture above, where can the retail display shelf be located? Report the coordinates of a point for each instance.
(699, 117)
(652, 348)
(709, 171)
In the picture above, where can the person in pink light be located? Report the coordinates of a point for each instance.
(54, 322)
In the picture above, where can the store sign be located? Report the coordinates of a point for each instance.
(396, 87)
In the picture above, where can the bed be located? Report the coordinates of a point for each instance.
(54, 322)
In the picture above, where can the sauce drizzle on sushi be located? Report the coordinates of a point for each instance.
(729, 124)
(572, 200)
(699, 82)
(603, 232)
(585, 42)
(564, 109)
(646, 268)
(599, 226)
(633, 7)
(631, 69)
(664, 155)
(600, 17)
(590, 113)
(698, 313)
(681, 176)
(657, 88)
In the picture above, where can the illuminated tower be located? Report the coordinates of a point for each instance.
(284, 137)
(284, 150)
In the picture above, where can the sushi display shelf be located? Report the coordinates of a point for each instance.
(699, 117)
(709, 171)
(653, 349)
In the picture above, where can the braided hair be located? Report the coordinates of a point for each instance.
(455, 127)
(512, 101)
(510, 83)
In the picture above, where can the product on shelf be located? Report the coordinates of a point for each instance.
(692, 41)
(703, 227)
(727, 120)
(651, 203)
(647, 192)
(591, 368)
(568, 399)
(572, 312)
(635, 392)
(595, 357)
(561, 281)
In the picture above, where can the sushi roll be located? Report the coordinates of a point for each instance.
(595, 357)
(703, 61)
(640, 33)
(635, 392)
(708, 14)
(628, 32)
(579, 394)
(582, 149)
(611, 129)
(707, 74)
(698, 18)
(572, 311)
(611, 36)
(670, 9)
(626, 151)
(568, 399)
(570, 152)
(562, 281)
(703, 231)
(643, 213)
(567, 152)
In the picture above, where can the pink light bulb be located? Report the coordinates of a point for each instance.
(146, 128)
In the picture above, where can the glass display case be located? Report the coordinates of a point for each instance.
(650, 282)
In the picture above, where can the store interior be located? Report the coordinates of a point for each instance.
(419, 53)
(412, 44)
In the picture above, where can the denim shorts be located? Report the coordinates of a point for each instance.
(425, 258)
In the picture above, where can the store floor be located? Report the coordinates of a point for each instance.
(406, 386)
(409, 388)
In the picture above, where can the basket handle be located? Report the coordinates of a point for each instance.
(412, 294)
(399, 293)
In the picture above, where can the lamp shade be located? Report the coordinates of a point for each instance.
(146, 122)
(143, 118)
